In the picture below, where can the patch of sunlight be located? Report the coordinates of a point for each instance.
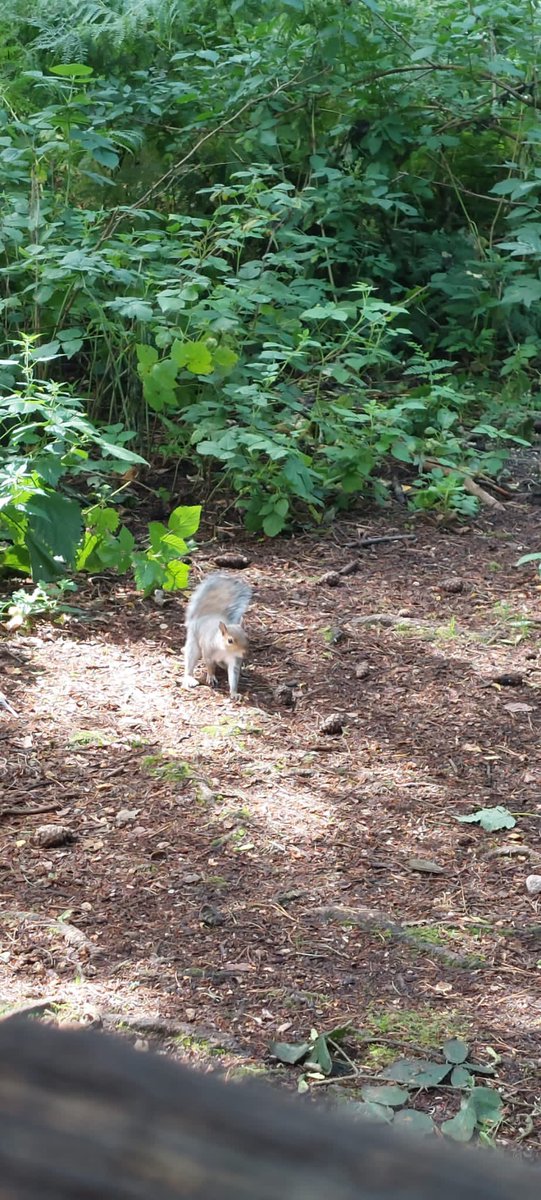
(303, 816)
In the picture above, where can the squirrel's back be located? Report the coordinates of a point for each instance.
(222, 596)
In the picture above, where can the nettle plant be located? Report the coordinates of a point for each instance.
(48, 450)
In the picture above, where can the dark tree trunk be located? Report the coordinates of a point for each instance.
(86, 1117)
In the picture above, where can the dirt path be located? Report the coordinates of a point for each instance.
(212, 839)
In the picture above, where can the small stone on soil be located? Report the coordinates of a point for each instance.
(508, 678)
(533, 884)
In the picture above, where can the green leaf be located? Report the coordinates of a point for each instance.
(462, 1127)
(419, 1123)
(323, 312)
(87, 559)
(490, 819)
(478, 1069)
(148, 574)
(487, 1103)
(393, 1096)
(460, 1077)
(194, 356)
(403, 451)
(368, 1110)
(526, 558)
(147, 356)
(159, 384)
(289, 1052)
(102, 520)
(225, 359)
(184, 520)
(132, 307)
(176, 576)
(56, 526)
(417, 1072)
(115, 450)
(320, 1058)
(526, 291)
(273, 523)
(45, 352)
(72, 71)
(455, 1050)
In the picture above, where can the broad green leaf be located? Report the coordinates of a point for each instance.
(419, 1123)
(417, 1072)
(157, 531)
(487, 1103)
(478, 1069)
(184, 520)
(526, 291)
(159, 384)
(323, 312)
(56, 526)
(121, 452)
(45, 352)
(136, 310)
(368, 1110)
(273, 524)
(194, 356)
(224, 358)
(102, 520)
(148, 575)
(394, 1097)
(455, 1050)
(289, 1052)
(147, 356)
(15, 558)
(462, 1127)
(490, 819)
(460, 1077)
(72, 71)
(319, 1056)
(176, 576)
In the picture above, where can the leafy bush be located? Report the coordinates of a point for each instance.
(238, 228)
(46, 447)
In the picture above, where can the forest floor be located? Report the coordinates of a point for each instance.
(230, 873)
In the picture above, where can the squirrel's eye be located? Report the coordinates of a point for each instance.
(230, 640)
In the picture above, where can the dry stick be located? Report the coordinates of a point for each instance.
(375, 922)
(24, 812)
(386, 537)
(468, 483)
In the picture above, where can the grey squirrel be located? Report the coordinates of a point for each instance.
(214, 630)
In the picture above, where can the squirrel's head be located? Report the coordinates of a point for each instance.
(234, 640)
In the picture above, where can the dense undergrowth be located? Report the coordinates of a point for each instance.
(298, 242)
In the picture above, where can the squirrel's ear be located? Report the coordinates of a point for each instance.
(223, 628)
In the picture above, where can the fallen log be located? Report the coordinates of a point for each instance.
(86, 1117)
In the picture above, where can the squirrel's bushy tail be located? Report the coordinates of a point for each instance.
(222, 596)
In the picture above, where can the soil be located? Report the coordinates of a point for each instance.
(225, 874)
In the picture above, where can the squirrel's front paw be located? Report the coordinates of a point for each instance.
(212, 680)
(189, 682)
